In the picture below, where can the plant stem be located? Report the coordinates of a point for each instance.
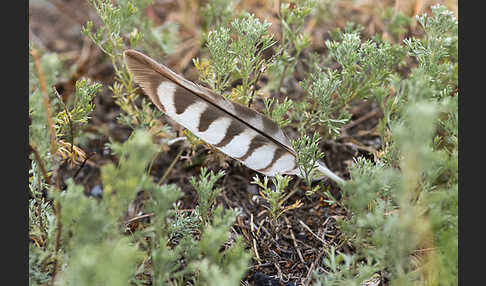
(47, 106)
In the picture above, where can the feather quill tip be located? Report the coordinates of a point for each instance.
(328, 173)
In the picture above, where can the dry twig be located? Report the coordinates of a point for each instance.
(289, 226)
(42, 82)
(313, 265)
(310, 230)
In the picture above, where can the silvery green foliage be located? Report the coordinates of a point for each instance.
(124, 26)
(308, 153)
(273, 194)
(239, 58)
(403, 207)
(292, 44)
(71, 121)
(206, 191)
(218, 13)
(94, 248)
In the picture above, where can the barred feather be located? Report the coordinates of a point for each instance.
(234, 129)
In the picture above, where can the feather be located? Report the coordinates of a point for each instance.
(236, 130)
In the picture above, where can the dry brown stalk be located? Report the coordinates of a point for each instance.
(42, 82)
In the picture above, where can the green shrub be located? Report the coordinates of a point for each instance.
(403, 207)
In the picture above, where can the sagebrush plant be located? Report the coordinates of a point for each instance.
(87, 253)
(218, 13)
(236, 59)
(39, 134)
(292, 43)
(206, 191)
(71, 121)
(402, 214)
(403, 207)
(75, 238)
(124, 26)
(53, 124)
(321, 86)
(308, 154)
(274, 195)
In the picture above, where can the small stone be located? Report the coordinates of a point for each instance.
(96, 191)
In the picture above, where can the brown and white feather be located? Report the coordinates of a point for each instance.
(236, 130)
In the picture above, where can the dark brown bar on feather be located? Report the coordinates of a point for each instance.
(257, 142)
(207, 117)
(234, 129)
(279, 152)
(182, 99)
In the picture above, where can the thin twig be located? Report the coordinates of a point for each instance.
(261, 265)
(254, 85)
(57, 205)
(280, 274)
(362, 119)
(261, 226)
(242, 228)
(315, 235)
(82, 165)
(43, 88)
(139, 218)
(41, 164)
(167, 171)
(294, 190)
(289, 226)
(252, 229)
(314, 263)
(256, 251)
